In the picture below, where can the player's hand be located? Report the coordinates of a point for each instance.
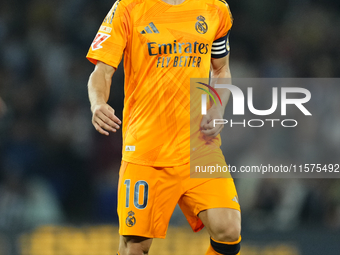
(104, 119)
(207, 123)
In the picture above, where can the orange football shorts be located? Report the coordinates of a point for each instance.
(147, 197)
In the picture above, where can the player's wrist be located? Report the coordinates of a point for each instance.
(218, 108)
(97, 104)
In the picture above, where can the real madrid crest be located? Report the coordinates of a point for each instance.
(130, 220)
(201, 26)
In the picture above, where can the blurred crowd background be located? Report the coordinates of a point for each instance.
(56, 169)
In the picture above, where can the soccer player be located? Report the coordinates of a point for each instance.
(165, 43)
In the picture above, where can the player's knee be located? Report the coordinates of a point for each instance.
(227, 233)
(135, 246)
(137, 251)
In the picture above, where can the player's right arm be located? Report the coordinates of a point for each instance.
(103, 115)
(106, 53)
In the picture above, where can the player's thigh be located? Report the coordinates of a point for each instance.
(147, 197)
(223, 217)
(223, 224)
(134, 245)
(214, 204)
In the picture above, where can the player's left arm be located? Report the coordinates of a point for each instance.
(220, 73)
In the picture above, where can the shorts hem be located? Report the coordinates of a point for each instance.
(215, 207)
(197, 225)
(142, 235)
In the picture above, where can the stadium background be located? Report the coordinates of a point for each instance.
(58, 177)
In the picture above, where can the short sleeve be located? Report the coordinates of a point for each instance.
(220, 46)
(110, 41)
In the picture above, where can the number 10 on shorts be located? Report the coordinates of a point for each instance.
(136, 194)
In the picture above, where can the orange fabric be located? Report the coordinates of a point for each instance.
(211, 251)
(164, 46)
(162, 189)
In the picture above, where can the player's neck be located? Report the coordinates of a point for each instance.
(174, 2)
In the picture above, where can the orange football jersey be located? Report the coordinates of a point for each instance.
(164, 46)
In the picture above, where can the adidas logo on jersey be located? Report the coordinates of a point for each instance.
(151, 28)
(235, 199)
(130, 148)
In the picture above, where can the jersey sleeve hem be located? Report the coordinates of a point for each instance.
(93, 58)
